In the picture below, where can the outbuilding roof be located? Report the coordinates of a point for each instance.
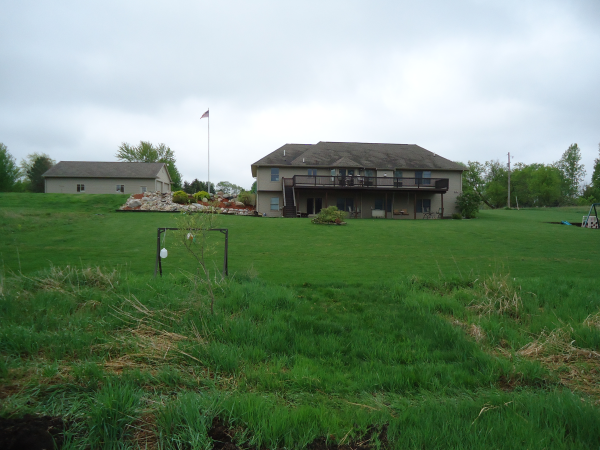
(95, 169)
(357, 154)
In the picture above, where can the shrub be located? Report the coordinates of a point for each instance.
(247, 198)
(180, 197)
(330, 215)
(456, 216)
(200, 195)
(468, 203)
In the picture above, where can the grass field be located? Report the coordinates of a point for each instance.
(401, 334)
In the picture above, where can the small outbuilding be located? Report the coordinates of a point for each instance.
(71, 177)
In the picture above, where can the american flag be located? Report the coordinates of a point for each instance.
(205, 114)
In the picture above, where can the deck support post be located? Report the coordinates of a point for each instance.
(442, 205)
(361, 206)
(385, 206)
(415, 210)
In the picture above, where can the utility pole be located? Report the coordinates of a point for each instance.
(508, 203)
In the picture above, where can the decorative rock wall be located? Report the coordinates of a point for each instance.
(157, 201)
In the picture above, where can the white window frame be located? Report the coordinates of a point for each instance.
(81, 187)
(143, 189)
(273, 204)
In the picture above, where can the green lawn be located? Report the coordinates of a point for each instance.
(44, 229)
(402, 334)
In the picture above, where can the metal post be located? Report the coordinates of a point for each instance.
(508, 202)
(226, 256)
(157, 251)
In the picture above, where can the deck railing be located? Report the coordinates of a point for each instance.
(338, 181)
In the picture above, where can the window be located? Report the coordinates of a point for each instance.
(314, 205)
(397, 174)
(312, 172)
(143, 189)
(274, 203)
(120, 188)
(345, 204)
(380, 204)
(81, 188)
(423, 177)
(424, 205)
(369, 177)
(274, 174)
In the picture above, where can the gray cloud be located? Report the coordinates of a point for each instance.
(469, 80)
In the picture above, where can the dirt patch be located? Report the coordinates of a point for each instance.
(31, 433)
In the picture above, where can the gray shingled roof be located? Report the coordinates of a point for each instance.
(356, 154)
(91, 169)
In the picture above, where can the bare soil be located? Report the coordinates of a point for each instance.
(31, 433)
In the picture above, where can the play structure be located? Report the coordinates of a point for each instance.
(591, 220)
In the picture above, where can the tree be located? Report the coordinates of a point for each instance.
(595, 187)
(473, 180)
(572, 171)
(496, 183)
(9, 171)
(197, 186)
(229, 188)
(146, 152)
(34, 166)
(253, 188)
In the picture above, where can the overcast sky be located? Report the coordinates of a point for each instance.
(469, 80)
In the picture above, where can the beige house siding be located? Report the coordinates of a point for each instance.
(263, 204)
(401, 199)
(107, 185)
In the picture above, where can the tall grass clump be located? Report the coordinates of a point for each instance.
(498, 296)
(184, 422)
(112, 411)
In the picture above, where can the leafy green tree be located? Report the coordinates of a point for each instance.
(229, 188)
(473, 180)
(253, 188)
(536, 185)
(572, 170)
(197, 186)
(496, 183)
(34, 166)
(147, 152)
(594, 188)
(9, 171)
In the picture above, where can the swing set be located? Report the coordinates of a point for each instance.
(591, 220)
(161, 254)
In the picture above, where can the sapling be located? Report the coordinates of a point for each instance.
(194, 229)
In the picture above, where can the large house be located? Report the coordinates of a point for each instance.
(393, 181)
(71, 177)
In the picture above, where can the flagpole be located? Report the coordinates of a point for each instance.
(208, 117)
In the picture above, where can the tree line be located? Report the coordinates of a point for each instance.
(557, 184)
(27, 176)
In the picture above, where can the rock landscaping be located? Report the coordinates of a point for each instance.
(157, 201)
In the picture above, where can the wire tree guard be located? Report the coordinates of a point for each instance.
(159, 231)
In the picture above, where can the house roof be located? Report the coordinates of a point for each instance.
(356, 154)
(94, 169)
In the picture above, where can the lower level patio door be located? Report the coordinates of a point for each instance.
(314, 205)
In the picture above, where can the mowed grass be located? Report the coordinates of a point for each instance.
(58, 229)
(461, 346)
